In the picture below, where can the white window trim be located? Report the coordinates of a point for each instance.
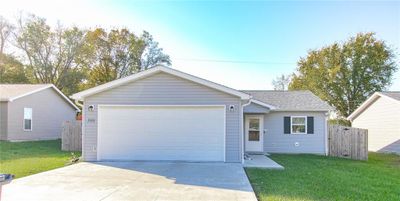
(31, 119)
(291, 125)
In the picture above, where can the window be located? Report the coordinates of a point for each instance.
(298, 125)
(254, 130)
(27, 119)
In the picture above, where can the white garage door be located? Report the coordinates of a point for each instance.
(188, 133)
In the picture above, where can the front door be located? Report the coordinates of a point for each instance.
(254, 133)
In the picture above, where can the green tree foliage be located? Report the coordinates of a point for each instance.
(346, 74)
(119, 53)
(11, 70)
(72, 58)
(49, 54)
(339, 121)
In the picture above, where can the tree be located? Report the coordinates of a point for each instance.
(119, 53)
(281, 82)
(50, 53)
(11, 70)
(5, 31)
(152, 54)
(346, 74)
(71, 58)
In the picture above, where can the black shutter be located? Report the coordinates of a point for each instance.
(310, 125)
(286, 125)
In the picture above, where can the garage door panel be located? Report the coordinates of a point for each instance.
(161, 133)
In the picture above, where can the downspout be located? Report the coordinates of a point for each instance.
(241, 123)
(83, 127)
(326, 134)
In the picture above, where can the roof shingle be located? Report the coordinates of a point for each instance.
(392, 94)
(290, 100)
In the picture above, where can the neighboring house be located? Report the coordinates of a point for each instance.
(33, 112)
(165, 114)
(380, 114)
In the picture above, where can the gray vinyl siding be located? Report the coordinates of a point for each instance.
(254, 108)
(3, 120)
(275, 141)
(163, 89)
(381, 118)
(49, 110)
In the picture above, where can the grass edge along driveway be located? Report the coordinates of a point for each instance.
(312, 177)
(27, 158)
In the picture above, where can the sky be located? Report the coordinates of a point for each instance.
(241, 44)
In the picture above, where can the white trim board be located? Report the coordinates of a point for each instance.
(271, 107)
(81, 95)
(291, 125)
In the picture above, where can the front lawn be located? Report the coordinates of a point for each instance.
(26, 158)
(311, 177)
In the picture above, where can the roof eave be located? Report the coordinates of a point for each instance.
(366, 103)
(41, 89)
(29, 93)
(303, 110)
(81, 95)
(261, 103)
(66, 98)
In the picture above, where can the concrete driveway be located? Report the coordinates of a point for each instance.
(135, 181)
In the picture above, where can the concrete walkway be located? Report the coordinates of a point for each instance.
(261, 161)
(135, 181)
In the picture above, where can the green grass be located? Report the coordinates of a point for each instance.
(311, 177)
(26, 158)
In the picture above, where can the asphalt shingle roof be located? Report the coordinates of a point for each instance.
(392, 94)
(290, 100)
(9, 91)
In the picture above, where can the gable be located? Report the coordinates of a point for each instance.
(371, 101)
(381, 113)
(12, 92)
(48, 96)
(380, 108)
(149, 72)
(161, 87)
(255, 108)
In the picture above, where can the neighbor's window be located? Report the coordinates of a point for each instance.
(298, 125)
(28, 119)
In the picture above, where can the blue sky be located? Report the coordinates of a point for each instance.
(265, 38)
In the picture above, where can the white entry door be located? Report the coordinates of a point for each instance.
(184, 133)
(254, 133)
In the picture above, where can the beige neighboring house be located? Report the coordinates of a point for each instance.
(33, 112)
(380, 114)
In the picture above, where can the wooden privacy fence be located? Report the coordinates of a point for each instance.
(71, 136)
(348, 142)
